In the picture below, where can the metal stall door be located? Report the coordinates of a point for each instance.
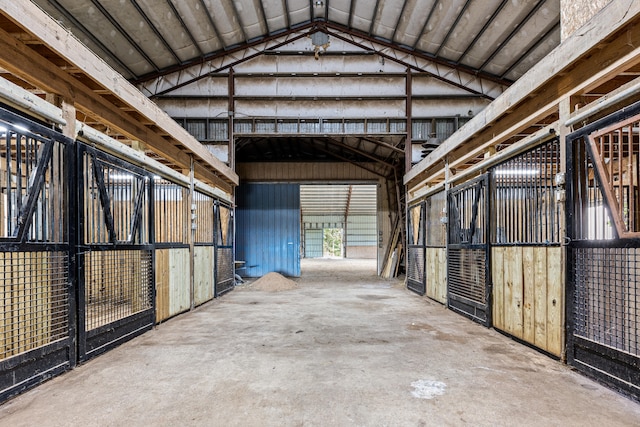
(115, 262)
(416, 280)
(225, 268)
(468, 278)
(603, 226)
(36, 287)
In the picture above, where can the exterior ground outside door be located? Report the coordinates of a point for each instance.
(115, 268)
(603, 226)
(468, 273)
(36, 284)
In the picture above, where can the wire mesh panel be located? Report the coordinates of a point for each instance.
(116, 278)
(35, 297)
(225, 269)
(607, 304)
(603, 289)
(415, 249)
(467, 254)
(117, 285)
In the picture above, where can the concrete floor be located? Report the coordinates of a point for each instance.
(346, 348)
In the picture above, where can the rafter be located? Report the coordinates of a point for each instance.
(466, 81)
(219, 55)
(482, 30)
(533, 47)
(462, 80)
(184, 27)
(263, 16)
(163, 86)
(453, 27)
(395, 27)
(515, 31)
(238, 19)
(155, 31)
(214, 27)
(426, 22)
(376, 9)
(85, 32)
(126, 35)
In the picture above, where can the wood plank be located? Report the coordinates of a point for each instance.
(5, 307)
(179, 281)
(513, 291)
(540, 297)
(203, 274)
(577, 65)
(528, 303)
(431, 272)
(497, 272)
(35, 21)
(162, 285)
(441, 293)
(20, 60)
(555, 300)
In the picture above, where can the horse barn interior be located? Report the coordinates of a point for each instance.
(450, 188)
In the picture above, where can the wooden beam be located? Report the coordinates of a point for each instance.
(34, 21)
(604, 47)
(23, 62)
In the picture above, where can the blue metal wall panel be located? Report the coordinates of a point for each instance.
(268, 229)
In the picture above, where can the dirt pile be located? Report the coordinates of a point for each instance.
(274, 282)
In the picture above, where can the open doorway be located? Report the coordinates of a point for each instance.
(332, 242)
(339, 221)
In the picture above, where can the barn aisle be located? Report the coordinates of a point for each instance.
(343, 347)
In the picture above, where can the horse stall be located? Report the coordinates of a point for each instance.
(98, 243)
(603, 229)
(173, 263)
(526, 256)
(37, 302)
(436, 246)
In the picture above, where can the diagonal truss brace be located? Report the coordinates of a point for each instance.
(164, 84)
(463, 80)
(466, 81)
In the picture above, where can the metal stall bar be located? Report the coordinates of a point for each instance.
(416, 279)
(36, 263)
(116, 285)
(603, 277)
(468, 272)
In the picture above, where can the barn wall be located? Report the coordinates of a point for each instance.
(268, 229)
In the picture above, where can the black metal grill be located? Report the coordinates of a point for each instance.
(118, 284)
(467, 252)
(415, 270)
(415, 249)
(607, 302)
(35, 263)
(225, 280)
(467, 274)
(603, 286)
(225, 268)
(524, 200)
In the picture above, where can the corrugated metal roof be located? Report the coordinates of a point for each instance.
(338, 199)
(146, 38)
